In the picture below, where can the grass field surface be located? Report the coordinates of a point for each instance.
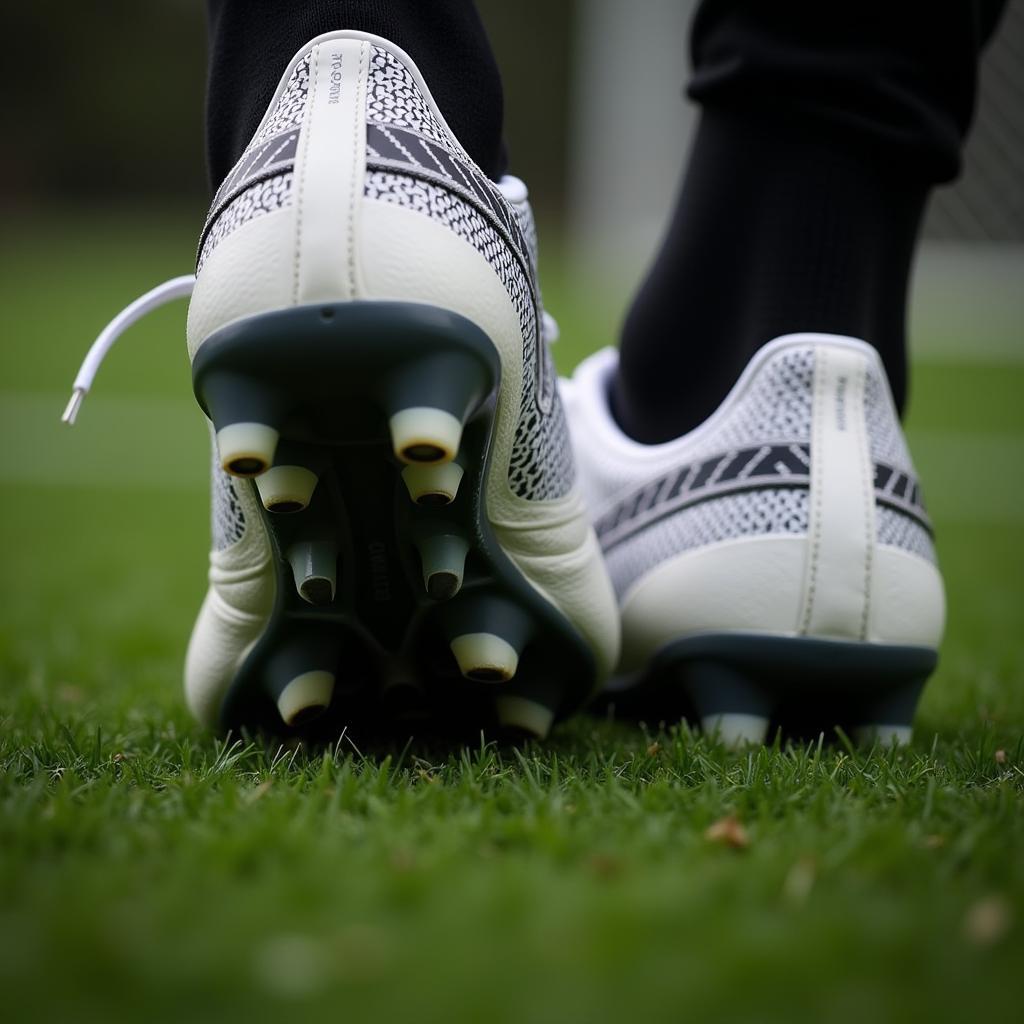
(150, 871)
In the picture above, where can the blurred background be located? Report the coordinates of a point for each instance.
(117, 122)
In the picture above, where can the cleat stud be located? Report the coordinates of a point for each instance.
(422, 435)
(728, 703)
(524, 716)
(317, 591)
(444, 561)
(305, 697)
(887, 718)
(885, 735)
(485, 657)
(429, 398)
(734, 729)
(443, 585)
(433, 485)
(246, 449)
(315, 569)
(285, 489)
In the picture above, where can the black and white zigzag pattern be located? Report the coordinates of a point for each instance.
(414, 161)
(745, 469)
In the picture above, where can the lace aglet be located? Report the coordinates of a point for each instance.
(74, 404)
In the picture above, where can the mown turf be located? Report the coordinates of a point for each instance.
(151, 872)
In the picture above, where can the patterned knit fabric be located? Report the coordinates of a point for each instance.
(413, 161)
(749, 476)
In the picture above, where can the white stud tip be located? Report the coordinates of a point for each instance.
(286, 488)
(485, 657)
(735, 729)
(246, 449)
(305, 696)
(885, 735)
(527, 715)
(433, 485)
(425, 435)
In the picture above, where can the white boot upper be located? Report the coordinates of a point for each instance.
(353, 187)
(793, 510)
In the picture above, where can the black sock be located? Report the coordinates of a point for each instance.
(772, 234)
(252, 41)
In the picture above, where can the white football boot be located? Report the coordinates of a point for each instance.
(396, 511)
(776, 561)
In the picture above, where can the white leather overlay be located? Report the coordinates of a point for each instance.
(908, 602)
(841, 526)
(244, 275)
(751, 585)
(234, 613)
(329, 172)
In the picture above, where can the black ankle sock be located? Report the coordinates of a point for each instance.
(772, 234)
(252, 41)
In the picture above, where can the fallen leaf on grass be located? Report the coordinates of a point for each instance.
(729, 832)
(605, 865)
(403, 861)
(987, 921)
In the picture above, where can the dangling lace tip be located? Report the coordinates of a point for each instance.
(74, 404)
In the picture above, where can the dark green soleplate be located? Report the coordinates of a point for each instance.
(803, 685)
(327, 377)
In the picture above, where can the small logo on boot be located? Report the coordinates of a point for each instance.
(334, 91)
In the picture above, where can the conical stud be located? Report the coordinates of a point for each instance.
(315, 568)
(305, 697)
(286, 488)
(422, 435)
(433, 485)
(888, 717)
(731, 706)
(485, 657)
(734, 730)
(444, 561)
(885, 735)
(246, 449)
(522, 715)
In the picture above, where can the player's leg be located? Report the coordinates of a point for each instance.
(755, 498)
(823, 128)
(252, 41)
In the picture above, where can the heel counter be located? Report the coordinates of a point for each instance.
(907, 598)
(330, 168)
(858, 584)
(840, 543)
(281, 227)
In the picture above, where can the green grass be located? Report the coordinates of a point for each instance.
(150, 872)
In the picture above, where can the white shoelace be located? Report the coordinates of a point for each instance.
(512, 188)
(176, 288)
